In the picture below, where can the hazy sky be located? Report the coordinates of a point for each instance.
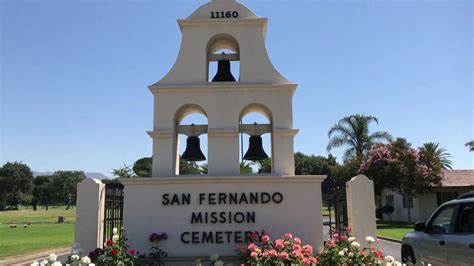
(74, 74)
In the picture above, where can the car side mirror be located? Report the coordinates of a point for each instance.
(420, 227)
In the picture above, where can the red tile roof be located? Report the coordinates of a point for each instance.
(458, 178)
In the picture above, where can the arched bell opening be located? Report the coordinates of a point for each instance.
(191, 141)
(256, 138)
(223, 59)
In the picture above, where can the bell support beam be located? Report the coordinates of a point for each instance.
(217, 57)
(191, 130)
(255, 130)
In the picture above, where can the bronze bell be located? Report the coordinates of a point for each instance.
(193, 151)
(223, 72)
(255, 151)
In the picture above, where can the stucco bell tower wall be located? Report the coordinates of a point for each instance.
(156, 203)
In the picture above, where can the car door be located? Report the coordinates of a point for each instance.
(460, 244)
(433, 244)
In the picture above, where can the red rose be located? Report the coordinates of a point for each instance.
(115, 252)
(132, 251)
(109, 242)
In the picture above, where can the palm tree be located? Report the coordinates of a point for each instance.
(437, 154)
(353, 131)
(470, 144)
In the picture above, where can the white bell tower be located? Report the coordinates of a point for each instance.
(187, 88)
(219, 211)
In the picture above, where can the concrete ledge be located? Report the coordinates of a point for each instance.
(390, 239)
(208, 179)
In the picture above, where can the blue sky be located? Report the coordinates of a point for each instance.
(74, 73)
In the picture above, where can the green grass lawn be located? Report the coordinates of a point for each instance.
(42, 234)
(394, 230)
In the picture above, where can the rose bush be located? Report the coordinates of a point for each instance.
(286, 250)
(156, 253)
(115, 252)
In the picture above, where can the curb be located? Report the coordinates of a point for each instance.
(390, 239)
(26, 258)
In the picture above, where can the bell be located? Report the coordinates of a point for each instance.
(193, 151)
(255, 151)
(223, 72)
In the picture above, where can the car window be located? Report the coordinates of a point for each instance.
(466, 219)
(441, 222)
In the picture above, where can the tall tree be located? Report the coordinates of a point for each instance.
(16, 184)
(434, 153)
(142, 167)
(353, 131)
(43, 191)
(189, 168)
(470, 145)
(313, 165)
(123, 172)
(400, 168)
(65, 184)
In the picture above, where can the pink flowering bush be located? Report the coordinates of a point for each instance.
(285, 250)
(401, 168)
(156, 253)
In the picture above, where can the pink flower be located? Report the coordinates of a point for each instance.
(297, 247)
(272, 253)
(288, 236)
(279, 243)
(265, 238)
(243, 249)
(297, 241)
(253, 254)
(336, 236)
(306, 261)
(283, 255)
(349, 229)
(308, 249)
(252, 246)
(296, 253)
(343, 238)
(254, 236)
(313, 260)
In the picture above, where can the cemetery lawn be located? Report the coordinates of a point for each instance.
(395, 230)
(43, 234)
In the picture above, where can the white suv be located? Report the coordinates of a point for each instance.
(447, 238)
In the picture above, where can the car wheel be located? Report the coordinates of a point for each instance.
(407, 255)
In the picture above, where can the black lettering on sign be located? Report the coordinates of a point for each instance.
(224, 14)
(166, 199)
(196, 218)
(183, 239)
(207, 237)
(195, 237)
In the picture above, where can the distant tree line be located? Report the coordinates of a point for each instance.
(19, 187)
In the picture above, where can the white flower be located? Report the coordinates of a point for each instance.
(219, 263)
(91, 264)
(341, 253)
(75, 257)
(355, 244)
(56, 263)
(114, 231)
(214, 257)
(370, 239)
(351, 239)
(345, 249)
(86, 260)
(389, 259)
(44, 262)
(397, 263)
(350, 254)
(115, 238)
(35, 264)
(52, 257)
